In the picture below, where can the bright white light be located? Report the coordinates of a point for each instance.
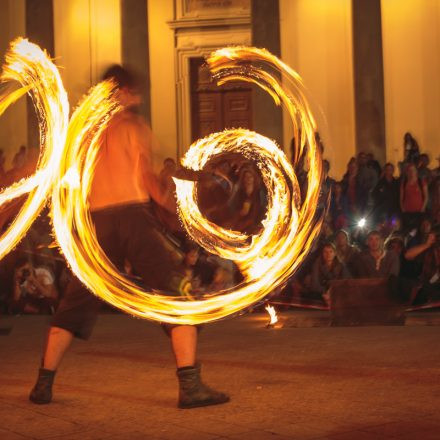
(361, 222)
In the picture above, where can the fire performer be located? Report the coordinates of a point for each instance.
(122, 188)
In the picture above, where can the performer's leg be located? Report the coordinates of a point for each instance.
(58, 341)
(184, 343)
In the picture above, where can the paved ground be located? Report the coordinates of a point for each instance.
(363, 383)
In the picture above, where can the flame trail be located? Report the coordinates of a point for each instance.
(28, 65)
(272, 314)
(66, 168)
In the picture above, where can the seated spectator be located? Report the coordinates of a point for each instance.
(420, 236)
(326, 268)
(395, 243)
(345, 251)
(426, 256)
(413, 197)
(34, 290)
(375, 262)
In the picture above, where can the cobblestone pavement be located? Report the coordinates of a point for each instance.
(359, 383)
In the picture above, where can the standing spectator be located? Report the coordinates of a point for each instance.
(436, 171)
(351, 189)
(422, 168)
(338, 207)
(367, 179)
(374, 163)
(375, 262)
(411, 148)
(326, 185)
(413, 197)
(386, 195)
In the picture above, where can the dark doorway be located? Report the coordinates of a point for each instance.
(215, 108)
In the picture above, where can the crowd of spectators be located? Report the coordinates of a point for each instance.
(378, 222)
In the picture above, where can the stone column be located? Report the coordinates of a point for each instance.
(267, 117)
(368, 78)
(135, 50)
(39, 30)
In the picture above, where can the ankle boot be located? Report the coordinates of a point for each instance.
(193, 392)
(42, 391)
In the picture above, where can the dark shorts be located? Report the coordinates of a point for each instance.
(129, 232)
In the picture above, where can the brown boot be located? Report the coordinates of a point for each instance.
(193, 392)
(42, 391)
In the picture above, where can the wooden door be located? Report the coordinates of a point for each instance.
(215, 108)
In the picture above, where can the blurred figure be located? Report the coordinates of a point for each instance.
(34, 290)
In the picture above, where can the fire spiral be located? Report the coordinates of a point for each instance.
(66, 165)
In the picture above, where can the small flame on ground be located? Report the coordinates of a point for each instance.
(272, 313)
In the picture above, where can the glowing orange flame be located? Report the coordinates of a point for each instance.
(66, 168)
(272, 313)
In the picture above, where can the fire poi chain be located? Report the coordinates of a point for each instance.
(66, 164)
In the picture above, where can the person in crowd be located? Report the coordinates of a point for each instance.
(367, 178)
(395, 243)
(413, 266)
(326, 268)
(19, 159)
(2, 164)
(123, 184)
(413, 197)
(410, 148)
(373, 163)
(375, 261)
(326, 185)
(434, 197)
(249, 204)
(34, 290)
(386, 195)
(422, 168)
(426, 259)
(167, 172)
(436, 171)
(351, 190)
(345, 251)
(338, 207)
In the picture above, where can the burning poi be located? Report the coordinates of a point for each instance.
(65, 171)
